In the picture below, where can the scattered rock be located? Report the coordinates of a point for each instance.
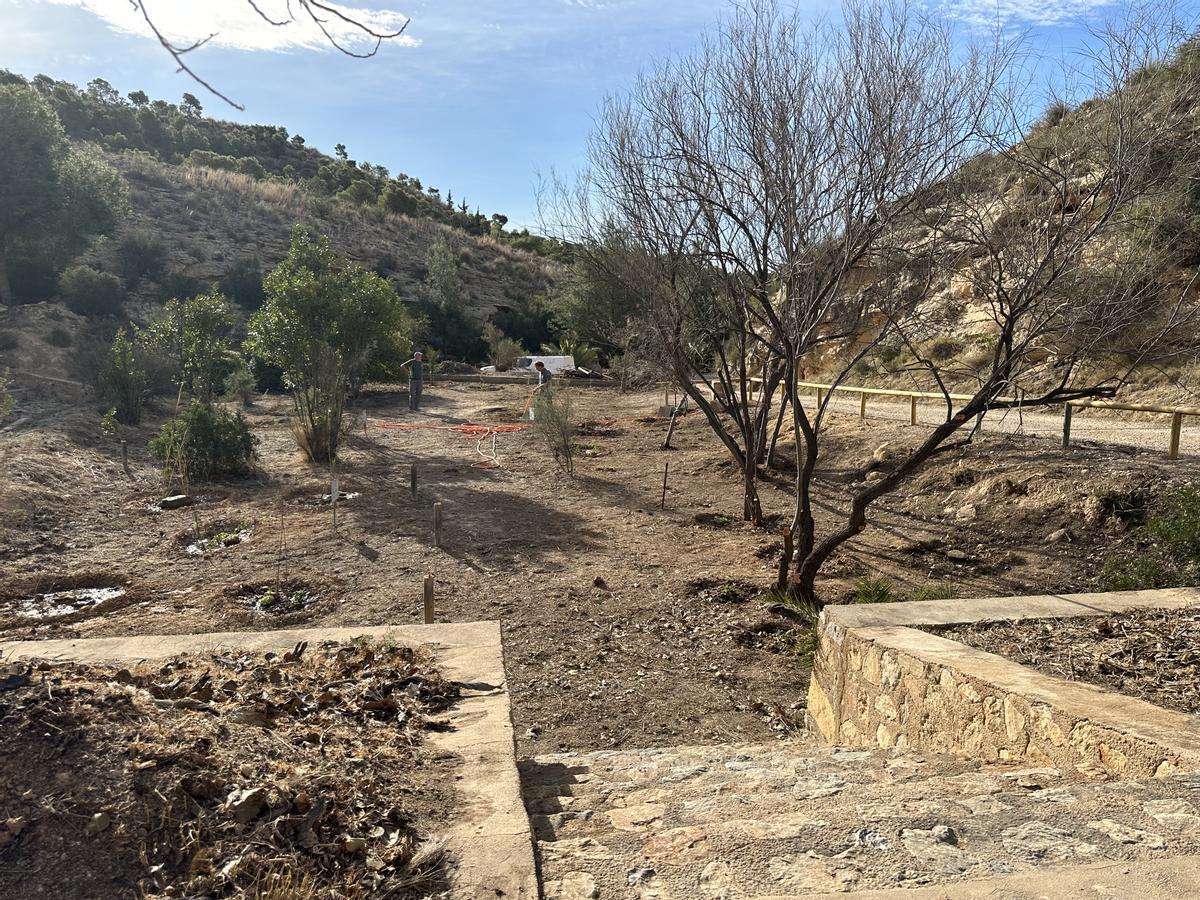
(983, 805)
(1038, 840)
(811, 874)
(872, 840)
(599, 582)
(573, 886)
(98, 823)
(1173, 813)
(676, 844)
(1061, 536)
(821, 785)
(884, 453)
(245, 805)
(353, 844)
(10, 830)
(967, 513)
(958, 556)
(639, 876)
(636, 818)
(937, 847)
(1126, 834)
(176, 501)
(716, 881)
(683, 773)
(874, 475)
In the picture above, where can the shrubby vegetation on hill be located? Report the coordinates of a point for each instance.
(181, 133)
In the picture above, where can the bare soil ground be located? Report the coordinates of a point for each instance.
(625, 625)
(1150, 654)
(268, 775)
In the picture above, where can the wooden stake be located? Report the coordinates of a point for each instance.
(333, 490)
(437, 524)
(862, 405)
(125, 458)
(912, 410)
(663, 503)
(820, 396)
(412, 480)
(1067, 412)
(428, 599)
(1176, 428)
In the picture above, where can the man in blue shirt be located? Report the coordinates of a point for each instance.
(416, 378)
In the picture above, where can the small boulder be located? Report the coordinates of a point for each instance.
(1061, 536)
(245, 805)
(176, 501)
(98, 823)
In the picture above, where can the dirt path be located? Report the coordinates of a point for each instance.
(626, 625)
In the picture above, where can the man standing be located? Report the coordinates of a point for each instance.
(416, 379)
(543, 375)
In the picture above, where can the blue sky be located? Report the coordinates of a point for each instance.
(478, 97)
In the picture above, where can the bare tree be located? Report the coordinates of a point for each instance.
(319, 13)
(752, 178)
(795, 196)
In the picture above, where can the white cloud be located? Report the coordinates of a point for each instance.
(1022, 12)
(236, 25)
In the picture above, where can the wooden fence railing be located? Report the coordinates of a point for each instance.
(1175, 412)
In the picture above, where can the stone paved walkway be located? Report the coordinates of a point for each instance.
(797, 819)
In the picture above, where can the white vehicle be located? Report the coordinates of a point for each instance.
(553, 363)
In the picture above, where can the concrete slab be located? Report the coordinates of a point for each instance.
(996, 609)
(492, 844)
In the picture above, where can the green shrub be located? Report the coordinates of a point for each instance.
(59, 337)
(176, 284)
(90, 292)
(140, 254)
(586, 356)
(503, 351)
(33, 277)
(204, 442)
(941, 349)
(874, 589)
(553, 422)
(932, 592)
(243, 282)
(1168, 551)
(240, 384)
(123, 379)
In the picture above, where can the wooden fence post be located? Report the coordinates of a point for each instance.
(428, 599)
(663, 504)
(1067, 412)
(862, 404)
(125, 458)
(912, 410)
(820, 397)
(1176, 428)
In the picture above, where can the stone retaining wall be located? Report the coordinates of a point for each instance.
(878, 682)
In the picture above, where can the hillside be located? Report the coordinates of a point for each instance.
(212, 221)
(177, 133)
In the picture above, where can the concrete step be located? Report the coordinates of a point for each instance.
(798, 820)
